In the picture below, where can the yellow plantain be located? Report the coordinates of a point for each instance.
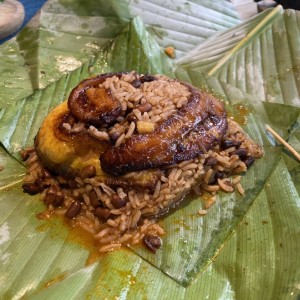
(66, 153)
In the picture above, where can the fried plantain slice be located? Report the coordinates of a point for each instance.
(64, 152)
(67, 153)
(191, 131)
(92, 104)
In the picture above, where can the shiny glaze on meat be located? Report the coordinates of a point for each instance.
(192, 131)
(91, 104)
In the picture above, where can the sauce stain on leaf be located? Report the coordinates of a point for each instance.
(54, 280)
(239, 113)
(64, 228)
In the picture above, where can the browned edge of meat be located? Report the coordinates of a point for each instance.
(191, 131)
(84, 103)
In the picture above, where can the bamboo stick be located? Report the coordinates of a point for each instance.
(283, 142)
(252, 33)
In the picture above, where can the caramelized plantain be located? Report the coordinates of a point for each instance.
(67, 153)
(92, 104)
(191, 131)
(64, 152)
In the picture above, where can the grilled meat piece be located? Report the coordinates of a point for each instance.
(94, 105)
(192, 131)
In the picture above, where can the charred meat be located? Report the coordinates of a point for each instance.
(192, 131)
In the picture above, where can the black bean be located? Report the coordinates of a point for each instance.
(117, 201)
(230, 143)
(73, 210)
(25, 153)
(72, 184)
(71, 120)
(220, 175)
(145, 107)
(54, 196)
(249, 161)
(214, 178)
(69, 172)
(211, 161)
(39, 183)
(147, 78)
(102, 213)
(114, 135)
(31, 188)
(152, 242)
(45, 173)
(140, 221)
(136, 83)
(241, 153)
(88, 172)
(95, 201)
(131, 118)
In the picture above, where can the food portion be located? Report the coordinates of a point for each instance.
(125, 147)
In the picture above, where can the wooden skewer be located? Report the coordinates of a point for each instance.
(283, 142)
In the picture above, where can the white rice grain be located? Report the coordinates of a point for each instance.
(240, 189)
(225, 185)
(103, 232)
(67, 126)
(101, 135)
(157, 189)
(202, 212)
(136, 215)
(110, 247)
(120, 140)
(130, 130)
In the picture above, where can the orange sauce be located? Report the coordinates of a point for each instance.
(208, 200)
(128, 274)
(182, 224)
(239, 113)
(73, 234)
(83, 238)
(54, 280)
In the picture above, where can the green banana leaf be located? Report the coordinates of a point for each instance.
(20, 122)
(260, 57)
(12, 172)
(244, 248)
(68, 33)
(15, 83)
(185, 24)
